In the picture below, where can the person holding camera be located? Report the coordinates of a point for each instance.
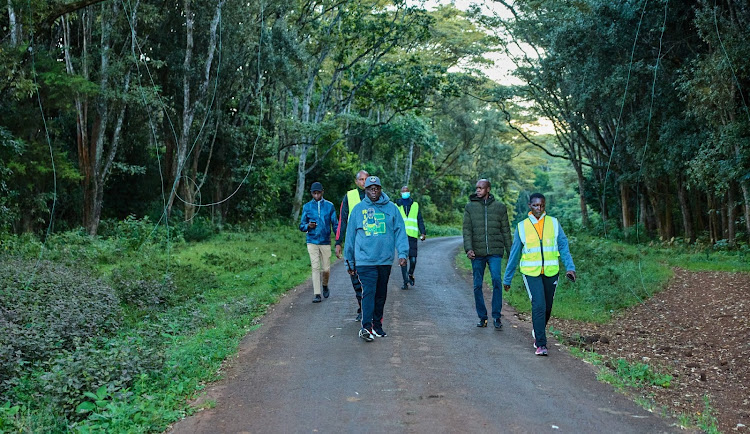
(319, 221)
(538, 245)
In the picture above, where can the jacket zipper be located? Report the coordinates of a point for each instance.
(486, 235)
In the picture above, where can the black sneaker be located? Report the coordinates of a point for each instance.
(411, 279)
(359, 315)
(498, 324)
(378, 332)
(366, 335)
(326, 292)
(317, 298)
(482, 322)
(405, 285)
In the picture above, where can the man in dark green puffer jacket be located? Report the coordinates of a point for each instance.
(486, 239)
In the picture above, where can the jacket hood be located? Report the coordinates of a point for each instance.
(473, 197)
(384, 199)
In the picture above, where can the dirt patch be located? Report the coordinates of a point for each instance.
(697, 330)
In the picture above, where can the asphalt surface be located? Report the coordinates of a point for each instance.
(305, 369)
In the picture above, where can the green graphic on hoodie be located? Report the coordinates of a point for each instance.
(373, 222)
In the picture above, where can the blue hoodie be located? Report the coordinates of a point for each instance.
(374, 231)
(324, 214)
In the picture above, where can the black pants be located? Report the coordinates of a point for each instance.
(374, 292)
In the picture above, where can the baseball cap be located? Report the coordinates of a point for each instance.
(372, 180)
(316, 186)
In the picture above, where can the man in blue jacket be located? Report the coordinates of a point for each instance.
(319, 221)
(375, 229)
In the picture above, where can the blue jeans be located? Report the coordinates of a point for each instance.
(478, 264)
(374, 293)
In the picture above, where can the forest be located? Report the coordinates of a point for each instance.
(227, 112)
(152, 151)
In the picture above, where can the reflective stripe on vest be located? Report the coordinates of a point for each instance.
(536, 254)
(352, 196)
(412, 229)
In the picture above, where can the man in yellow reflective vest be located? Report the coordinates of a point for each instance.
(412, 215)
(351, 199)
(538, 246)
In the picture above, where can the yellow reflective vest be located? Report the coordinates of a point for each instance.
(538, 254)
(352, 197)
(412, 229)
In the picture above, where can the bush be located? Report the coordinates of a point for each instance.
(145, 293)
(113, 363)
(46, 308)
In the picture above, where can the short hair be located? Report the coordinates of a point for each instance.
(537, 196)
(362, 171)
(487, 181)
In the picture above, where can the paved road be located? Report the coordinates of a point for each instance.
(305, 369)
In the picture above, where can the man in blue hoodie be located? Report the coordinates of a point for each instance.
(374, 231)
(319, 221)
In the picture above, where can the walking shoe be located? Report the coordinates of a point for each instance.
(405, 285)
(482, 322)
(498, 324)
(378, 332)
(359, 315)
(317, 298)
(541, 351)
(366, 335)
(326, 292)
(411, 279)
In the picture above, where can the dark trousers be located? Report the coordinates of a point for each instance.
(412, 265)
(374, 280)
(541, 290)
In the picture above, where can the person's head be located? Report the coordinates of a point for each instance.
(405, 193)
(483, 188)
(373, 189)
(361, 177)
(537, 204)
(316, 189)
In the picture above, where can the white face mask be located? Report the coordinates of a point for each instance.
(405, 195)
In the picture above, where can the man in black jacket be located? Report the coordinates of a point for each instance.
(486, 239)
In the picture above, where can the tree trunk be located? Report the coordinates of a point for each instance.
(731, 216)
(409, 162)
(687, 221)
(713, 223)
(724, 220)
(627, 220)
(582, 195)
(14, 26)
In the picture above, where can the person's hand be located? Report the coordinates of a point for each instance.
(312, 225)
(422, 237)
(470, 254)
(352, 271)
(571, 275)
(338, 251)
(506, 288)
(402, 262)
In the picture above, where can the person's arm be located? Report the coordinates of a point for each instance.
(399, 231)
(564, 249)
(467, 232)
(420, 223)
(351, 236)
(343, 217)
(505, 228)
(513, 259)
(305, 219)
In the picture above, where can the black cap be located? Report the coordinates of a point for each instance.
(316, 186)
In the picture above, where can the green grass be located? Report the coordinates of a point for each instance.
(434, 230)
(223, 285)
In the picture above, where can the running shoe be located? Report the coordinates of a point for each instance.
(366, 335)
(378, 332)
(482, 322)
(326, 292)
(317, 298)
(411, 279)
(541, 351)
(498, 324)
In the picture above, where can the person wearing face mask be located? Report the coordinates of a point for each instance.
(538, 246)
(412, 215)
(319, 221)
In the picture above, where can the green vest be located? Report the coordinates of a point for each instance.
(538, 254)
(353, 199)
(412, 229)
